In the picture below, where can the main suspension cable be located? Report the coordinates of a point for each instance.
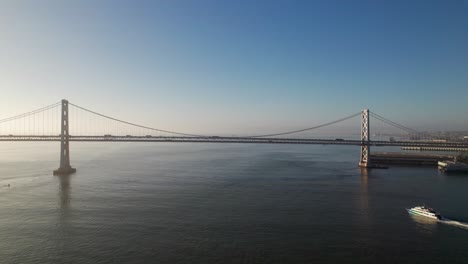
(390, 122)
(136, 125)
(30, 113)
(307, 129)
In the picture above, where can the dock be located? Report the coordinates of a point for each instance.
(453, 166)
(400, 158)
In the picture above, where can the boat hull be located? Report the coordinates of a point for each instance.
(414, 212)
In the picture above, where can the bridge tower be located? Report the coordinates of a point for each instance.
(65, 167)
(365, 161)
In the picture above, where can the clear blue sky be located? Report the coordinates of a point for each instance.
(219, 66)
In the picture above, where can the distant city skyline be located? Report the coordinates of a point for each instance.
(241, 66)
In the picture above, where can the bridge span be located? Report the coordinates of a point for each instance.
(27, 120)
(243, 140)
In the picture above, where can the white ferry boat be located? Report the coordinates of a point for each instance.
(425, 211)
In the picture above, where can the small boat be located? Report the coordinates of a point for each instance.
(425, 211)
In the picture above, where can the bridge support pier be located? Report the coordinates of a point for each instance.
(65, 168)
(364, 161)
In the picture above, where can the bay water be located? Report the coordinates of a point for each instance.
(222, 203)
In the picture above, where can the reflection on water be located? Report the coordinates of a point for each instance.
(365, 190)
(64, 197)
(364, 198)
(424, 224)
(364, 172)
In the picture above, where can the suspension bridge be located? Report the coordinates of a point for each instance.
(66, 122)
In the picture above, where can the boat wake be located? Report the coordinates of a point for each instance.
(454, 223)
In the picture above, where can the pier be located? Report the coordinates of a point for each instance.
(434, 149)
(399, 158)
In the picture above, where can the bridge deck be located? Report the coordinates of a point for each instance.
(248, 140)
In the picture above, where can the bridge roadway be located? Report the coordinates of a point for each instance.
(216, 139)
